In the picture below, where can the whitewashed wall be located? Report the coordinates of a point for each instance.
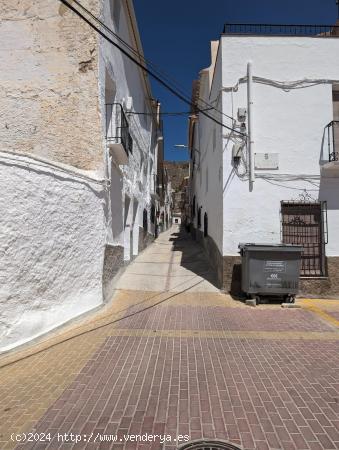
(51, 247)
(207, 177)
(54, 228)
(290, 123)
(128, 82)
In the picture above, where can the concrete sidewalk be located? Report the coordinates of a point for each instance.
(172, 355)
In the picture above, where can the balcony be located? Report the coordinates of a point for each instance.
(118, 138)
(281, 30)
(331, 169)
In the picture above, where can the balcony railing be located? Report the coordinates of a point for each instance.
(117, 127)
(333, 140)
(281, 30)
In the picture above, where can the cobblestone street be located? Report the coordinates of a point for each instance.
(171, 355)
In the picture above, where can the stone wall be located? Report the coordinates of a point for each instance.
(113, 262)
(49, 83)
(177, 171)
(323, 287)
(145, 239)
(228, 271)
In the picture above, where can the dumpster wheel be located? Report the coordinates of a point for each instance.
(255, 297)
(289, 299)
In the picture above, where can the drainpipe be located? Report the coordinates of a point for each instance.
(250, 124)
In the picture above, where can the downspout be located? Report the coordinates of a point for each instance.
(250, 124)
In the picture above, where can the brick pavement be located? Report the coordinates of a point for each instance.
(193, 363)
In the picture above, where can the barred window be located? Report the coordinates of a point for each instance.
(304, 223)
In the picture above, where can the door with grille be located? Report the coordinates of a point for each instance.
(305, 224)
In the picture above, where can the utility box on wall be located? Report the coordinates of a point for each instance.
(266, 161)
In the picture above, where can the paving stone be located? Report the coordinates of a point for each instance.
(263, 378)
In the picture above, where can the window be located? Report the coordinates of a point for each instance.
(193, 207)
(205, 225)
(153, 214)
(305, 224)
(199, 217)
(145, 219)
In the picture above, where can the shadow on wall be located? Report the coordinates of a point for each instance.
(329, 192)
(193, 256)
(236, 291)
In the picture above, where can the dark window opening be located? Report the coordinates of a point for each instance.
(199, 217)
(145, 220)
(193, 207)
(153, 214)
(305, 224)
(205, 225)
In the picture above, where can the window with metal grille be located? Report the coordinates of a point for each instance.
(305, 223)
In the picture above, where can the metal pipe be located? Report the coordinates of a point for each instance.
(250, 124)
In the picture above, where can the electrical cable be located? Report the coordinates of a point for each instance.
(178, 113)
(288, 187)
(152, 73)
(147, 62)
(285, 85)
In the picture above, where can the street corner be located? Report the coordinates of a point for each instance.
(325, 309)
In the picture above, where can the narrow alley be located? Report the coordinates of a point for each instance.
(171, 359)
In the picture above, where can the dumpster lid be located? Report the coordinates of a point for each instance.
(280, 246)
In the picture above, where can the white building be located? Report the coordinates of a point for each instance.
(275, 177)
(77, 164)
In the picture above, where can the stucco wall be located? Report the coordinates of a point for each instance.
(288, 122)
(48, 83)
(127, 82)
(207, 176)
(51, 246)
(56, 228)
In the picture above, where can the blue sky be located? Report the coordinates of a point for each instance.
(176, 36)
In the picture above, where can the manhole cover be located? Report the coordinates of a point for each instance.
(208, 445)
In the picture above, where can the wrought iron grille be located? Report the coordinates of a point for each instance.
(305, 224)
(117, 127)
(281, 30)
(333, 140)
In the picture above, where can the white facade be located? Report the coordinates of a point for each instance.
(121, 82)
(60, 217)
(293, 80)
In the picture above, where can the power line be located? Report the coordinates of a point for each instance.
(150, 72)
(147, 62)
(167, 113)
